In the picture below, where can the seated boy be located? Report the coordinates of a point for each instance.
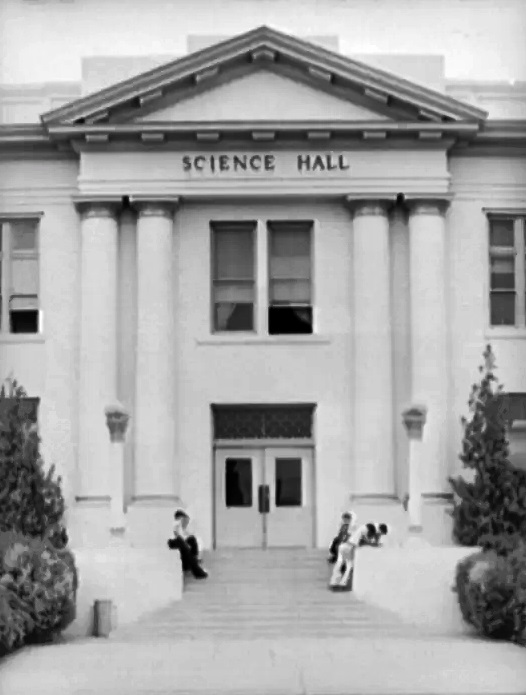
(187, 546)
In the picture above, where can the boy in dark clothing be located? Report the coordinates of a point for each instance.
(187, 546)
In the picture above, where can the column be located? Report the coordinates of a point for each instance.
(128, 333)
(155, 362)
(429, 373)
(98, 344)
(373, 389)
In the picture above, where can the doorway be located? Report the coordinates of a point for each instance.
(263, 497)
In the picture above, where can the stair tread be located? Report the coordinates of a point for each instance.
(251, 594)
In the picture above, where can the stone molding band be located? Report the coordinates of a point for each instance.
(151, 207)
(369, 208)
(97, 209)
(110, 208)
(376, 207)
(436, 207)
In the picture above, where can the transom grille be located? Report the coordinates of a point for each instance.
(263, 422)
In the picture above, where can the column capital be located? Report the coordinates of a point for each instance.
(151, 206)
(98, 206)
(427, 206)
(369, 207)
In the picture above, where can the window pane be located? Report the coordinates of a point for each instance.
(23, 321)
(24, 276)
(503, 273)
(234, 253)
(240, 291)
(24, 235)
(290, 292)
(290, 253)
(502, 308)
(501, 233)
(289, 320)
(233, 316)
(288, 482)
(238, 482)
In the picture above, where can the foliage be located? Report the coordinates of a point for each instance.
(38, 577)
(39, 584)
(493, 504)
(31, 500)
(491, 591)
(15, 622)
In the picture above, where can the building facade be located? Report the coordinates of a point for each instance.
(266, 250)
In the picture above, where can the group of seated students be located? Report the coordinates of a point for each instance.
(341, 552)
(343, 547)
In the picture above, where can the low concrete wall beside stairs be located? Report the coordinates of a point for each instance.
(137, 581)
(414, 581)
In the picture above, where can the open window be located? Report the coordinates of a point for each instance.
(290, 278)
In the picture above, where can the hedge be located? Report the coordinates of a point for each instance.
(38, 585)
(491, 590)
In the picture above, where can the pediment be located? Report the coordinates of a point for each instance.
(332, 86)
(259, 95)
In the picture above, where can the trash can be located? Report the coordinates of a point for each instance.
(102, 613)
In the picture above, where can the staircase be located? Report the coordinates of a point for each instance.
(254, 594)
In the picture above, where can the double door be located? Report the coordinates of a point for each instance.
(264, 497)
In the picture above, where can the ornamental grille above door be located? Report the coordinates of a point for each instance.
(263, 421)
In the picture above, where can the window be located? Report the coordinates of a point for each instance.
(290, 291)
(507, 270)
(19, 276)
(292, 421)
(233, 276)
(288, 482)
(238, 482)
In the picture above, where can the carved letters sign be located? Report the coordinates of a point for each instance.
(263, 163)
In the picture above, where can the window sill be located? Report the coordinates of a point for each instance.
(21, 338)
(506, 332)
(264, 340)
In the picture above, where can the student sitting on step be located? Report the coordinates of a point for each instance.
(348, 523)
(187, 545)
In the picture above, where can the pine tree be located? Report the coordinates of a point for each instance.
(494, 502)
(31, 500)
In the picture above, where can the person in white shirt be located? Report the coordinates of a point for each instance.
(367, 534)
(187, 545)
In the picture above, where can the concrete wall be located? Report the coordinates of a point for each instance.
(46, 365)
(477, 40)
(478, 183)
(248, 371)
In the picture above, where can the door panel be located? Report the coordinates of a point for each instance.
(264, 497)
(288, 473)
(238, 476)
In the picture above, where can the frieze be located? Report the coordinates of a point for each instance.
(240, 163)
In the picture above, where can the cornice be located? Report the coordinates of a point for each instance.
(316, 133)
(506, 136)
(260, 46)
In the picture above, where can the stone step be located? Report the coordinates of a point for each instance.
(253, 594)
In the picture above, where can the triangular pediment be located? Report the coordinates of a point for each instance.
(260, 95)
(255, 71)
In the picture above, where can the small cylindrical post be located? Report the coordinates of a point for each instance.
(102, 617)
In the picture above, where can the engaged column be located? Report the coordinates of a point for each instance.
(155, 362)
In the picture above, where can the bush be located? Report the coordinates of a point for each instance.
(41, 584)
(494, 502)
(31, 500)
(491, 591)
(15, 622)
